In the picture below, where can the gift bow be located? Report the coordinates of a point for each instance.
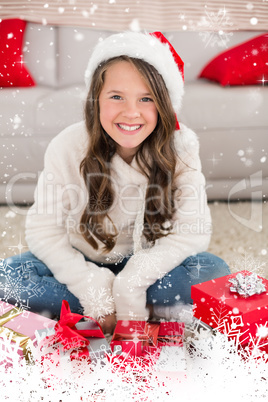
(71, 337)
(25, 342)
(247, 285)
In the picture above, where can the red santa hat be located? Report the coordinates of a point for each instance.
(153, 48)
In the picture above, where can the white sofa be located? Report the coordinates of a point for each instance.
(232, 122)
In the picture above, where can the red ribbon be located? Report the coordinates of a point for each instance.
(71, 337)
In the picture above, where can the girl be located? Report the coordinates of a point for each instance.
(120, 222)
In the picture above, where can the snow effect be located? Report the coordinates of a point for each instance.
(135, 25)
(209, 365)
(216, 28)
(96, 298)
(248, 262)
(18, 246)
(254, 21)
(14, 287)
(79, 36)
(214, 160)
(215, 367)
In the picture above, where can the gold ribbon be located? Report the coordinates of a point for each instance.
(24, 341)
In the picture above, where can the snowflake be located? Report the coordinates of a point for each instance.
(264, 80)
(248, 162)
(230, 326)
(171, 358)
(213, 365)
(9, 350)
(214, 25)
(249, 151)
(147, 260)
(99, 206)
(10, 214)
(117, 257)
(19, 246)
(264, 47)
(100, 302)
(197, 330)
(13, 286)
(13, 346)
(254, 95)
(249, 263)
(135, 25)
(214, 160)
(256, 348)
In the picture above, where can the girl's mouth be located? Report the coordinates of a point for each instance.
(129, 128)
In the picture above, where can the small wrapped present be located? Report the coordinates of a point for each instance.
(236, 305)
(73, 339)
(138, 338)
(17, 330)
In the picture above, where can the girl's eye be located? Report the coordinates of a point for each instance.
(116, 97)
(145, 99)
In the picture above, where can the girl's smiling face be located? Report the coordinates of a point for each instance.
(128, 113)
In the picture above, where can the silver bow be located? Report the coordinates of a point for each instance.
(247, 285)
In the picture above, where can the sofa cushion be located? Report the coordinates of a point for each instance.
(59, 109)
(17, 110)
(245, 64)
(40, 53)
(207, 104)
(196, 53)
(13, 72)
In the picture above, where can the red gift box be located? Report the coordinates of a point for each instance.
(17, 330)
(73, 339)
(238, 317)
(138, 338)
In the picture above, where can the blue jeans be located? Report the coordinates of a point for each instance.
(26, 281)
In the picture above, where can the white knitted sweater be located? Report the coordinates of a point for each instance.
(52, 225)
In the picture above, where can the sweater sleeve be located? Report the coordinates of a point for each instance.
(190, 235)
(58, 195)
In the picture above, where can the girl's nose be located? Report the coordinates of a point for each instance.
(131, 111)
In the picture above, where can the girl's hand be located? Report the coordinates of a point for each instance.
(108, 323)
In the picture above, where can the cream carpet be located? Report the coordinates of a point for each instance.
(240, 234)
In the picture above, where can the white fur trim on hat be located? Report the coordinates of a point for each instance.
(141, 46)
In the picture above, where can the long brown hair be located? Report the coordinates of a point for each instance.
(159, 167)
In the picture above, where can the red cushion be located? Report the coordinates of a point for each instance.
(245, 64)
(13, 72)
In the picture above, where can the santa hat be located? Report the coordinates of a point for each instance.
(154, 49)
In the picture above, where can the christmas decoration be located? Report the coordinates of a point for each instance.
(17, 331)
(14, 288)
(73, 339)
(138, 338)
(228, 312)
(13, 72)
(247, 285)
